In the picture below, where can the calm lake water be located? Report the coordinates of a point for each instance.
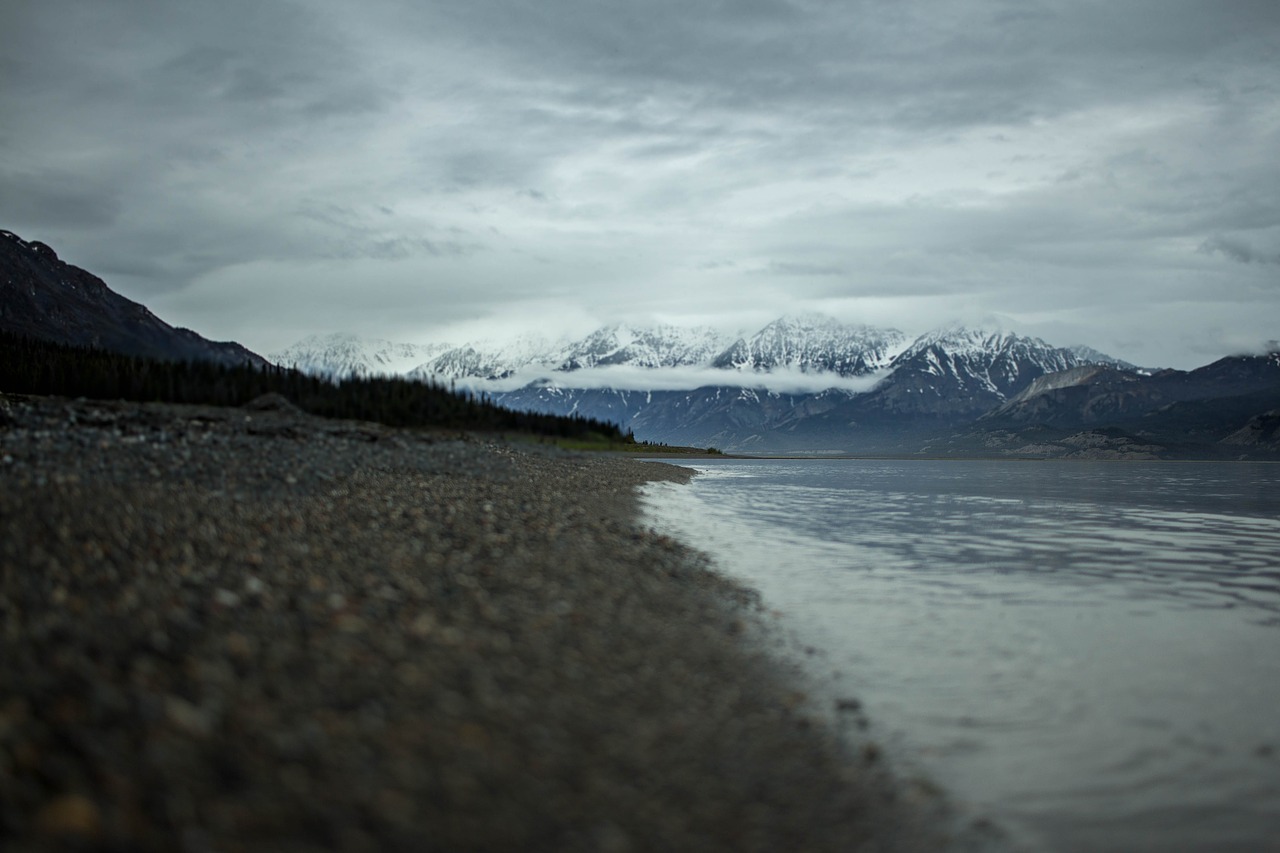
(1087, 654)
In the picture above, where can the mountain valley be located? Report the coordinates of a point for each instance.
(811, 384)
(804, 384)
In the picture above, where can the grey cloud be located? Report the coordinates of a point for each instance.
(468, 169)
(398, 248)
(792, 268)
(220, 74)
(953, 64)
(1037, 154)
(355, 233)
(355, 101)
(1237, 250)
(61, 199)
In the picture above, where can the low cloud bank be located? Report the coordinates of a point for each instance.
(631, 378)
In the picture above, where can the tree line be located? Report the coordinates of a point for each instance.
(29, 366)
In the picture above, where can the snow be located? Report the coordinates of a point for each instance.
(812, 343)
(804, 354)
(338, 355)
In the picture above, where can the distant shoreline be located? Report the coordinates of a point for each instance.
(904, 458)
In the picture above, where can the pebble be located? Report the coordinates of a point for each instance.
(70, 815)
(284, 632)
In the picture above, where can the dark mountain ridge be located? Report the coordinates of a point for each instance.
(45, 298)
(1224, 410)
(1100, 394)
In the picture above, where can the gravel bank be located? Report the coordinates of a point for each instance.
(256, 630)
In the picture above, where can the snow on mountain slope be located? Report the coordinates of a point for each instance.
(656, 346)
(1089, 355)
(960, 372)
(953, 371)
(1000, 362)
(814, 344)
(611, 346)
(811, 345)
(799, 382)
(339, 355)
(495, 359)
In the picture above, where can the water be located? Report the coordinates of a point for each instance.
(1088, 654)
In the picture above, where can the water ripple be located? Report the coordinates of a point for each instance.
(1087, 652)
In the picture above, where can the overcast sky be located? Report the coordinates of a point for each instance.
(1104, 172)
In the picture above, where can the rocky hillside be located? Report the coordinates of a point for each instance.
(1089, 396)
(959, 372)
(45, 298)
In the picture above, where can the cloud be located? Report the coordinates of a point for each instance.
(1237, 250)
(627, 377)
(802, 269)
(57, 198)
(686, 157)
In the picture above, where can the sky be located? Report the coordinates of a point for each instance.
(1103, 172)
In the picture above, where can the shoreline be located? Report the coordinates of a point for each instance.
(253, 629)
(904, 458)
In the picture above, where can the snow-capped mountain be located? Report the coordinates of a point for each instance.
(946, 378)
(610, 346)
(495, 359)
(1089, 355)
(960, 371)
(656, 346)
(814, 344)
(746, 394)
(339, 355)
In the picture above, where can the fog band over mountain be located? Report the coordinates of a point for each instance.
(782, 380)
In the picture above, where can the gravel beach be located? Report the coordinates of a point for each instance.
(251, 629)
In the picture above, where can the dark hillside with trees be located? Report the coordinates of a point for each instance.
(43, 297)
(30, 366)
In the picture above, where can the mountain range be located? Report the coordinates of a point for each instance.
(810, 384)
(801, 384)
(338, 355)
(809, 344)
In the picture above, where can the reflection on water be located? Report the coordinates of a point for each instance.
(1087, 653)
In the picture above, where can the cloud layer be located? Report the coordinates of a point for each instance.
(781, 380)
(1101, 173)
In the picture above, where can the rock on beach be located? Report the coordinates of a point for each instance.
(251, 629)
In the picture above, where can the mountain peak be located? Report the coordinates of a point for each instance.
(806, 320)
(1093, 356)
(339, 354)
(959, 370)
(959, 338)
(813, 343)
(659, 345)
